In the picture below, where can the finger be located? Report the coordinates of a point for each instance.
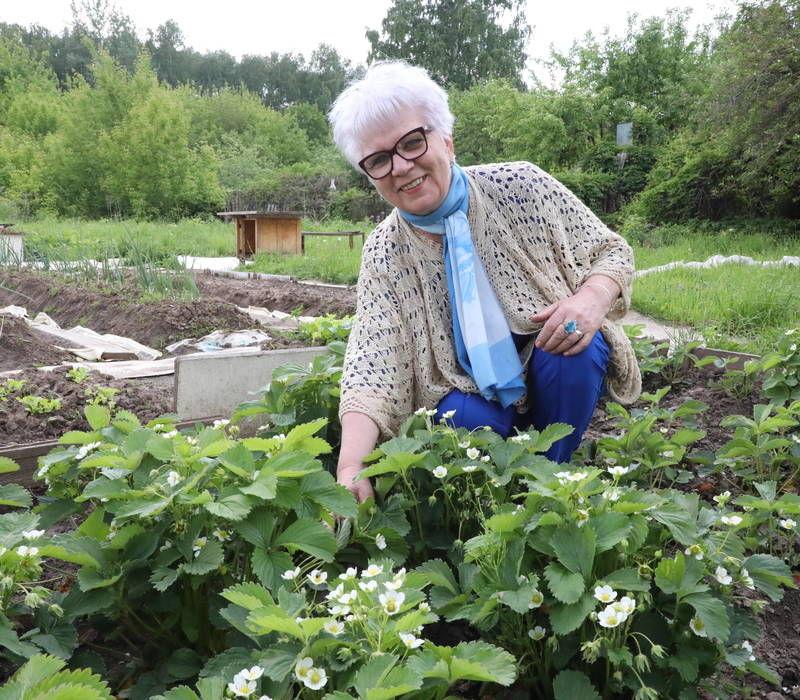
(544, 314)
(581, 345)
(556, 338)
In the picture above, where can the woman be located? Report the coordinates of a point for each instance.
(488, 293)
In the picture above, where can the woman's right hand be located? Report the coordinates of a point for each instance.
(360, 488)
(359, 436)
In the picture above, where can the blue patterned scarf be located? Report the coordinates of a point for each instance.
(484, 345)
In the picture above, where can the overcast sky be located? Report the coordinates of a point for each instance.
(247, 27)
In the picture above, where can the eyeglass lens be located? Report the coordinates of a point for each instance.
(410, 147)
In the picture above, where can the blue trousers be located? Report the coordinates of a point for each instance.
(560, 390)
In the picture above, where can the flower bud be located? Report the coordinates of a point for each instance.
(33, 600)
(658, 554)
(431, 500)
(618, 676)
(6, 583)
(57, 610)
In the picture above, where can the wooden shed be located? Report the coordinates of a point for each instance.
(266, 231)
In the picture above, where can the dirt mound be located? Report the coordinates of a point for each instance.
(19, 346)
(19, 426)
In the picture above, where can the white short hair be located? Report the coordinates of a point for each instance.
(387, 89)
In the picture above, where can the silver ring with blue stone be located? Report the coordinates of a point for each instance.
(570, 327)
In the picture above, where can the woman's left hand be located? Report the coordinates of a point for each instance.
(587, 307)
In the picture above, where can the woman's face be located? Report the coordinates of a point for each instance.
(418, 186)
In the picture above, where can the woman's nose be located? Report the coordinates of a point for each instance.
(400, 165)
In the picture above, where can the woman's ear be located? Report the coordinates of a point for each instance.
(448, 142)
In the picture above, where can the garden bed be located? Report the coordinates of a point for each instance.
(152, 322)
(159, 322)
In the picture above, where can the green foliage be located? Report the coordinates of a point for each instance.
(40, 404)
(326, 329)
(460, 45)
(42, 678)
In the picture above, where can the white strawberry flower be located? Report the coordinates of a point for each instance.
(86, 449)
(605, 594)
(536, 600)
(372, 570)
(251, 674)
(198, 544)
(173, 478)
(618, 471)
(335, 592)
(470, 468)
(537, 633)
(749, 649)
(464, 445)
(698, 627)
(315, 678)
(241, 687)
(577, 476)
(723, 498)
(611, 617)
(333, 627)
(393, 585)
(485, 458)
(25, 551)
(731, 519)
(625, 605)
(290, 574)
(350, 574)
(368, 586)
(721, 574)
(583, 517)
(473, 453)
(32, 534)
(421, 411)
(410, 640)
(221, 423)
(302, 668)
(440, 472)
(563, 477)
(747, 580)
(391, 601)
(695, 551)
(522, 437)
(339, 610)
(449, 414)
(788, 524)
(430, 412)
(317, 577)
(221, 535)
(347, 598)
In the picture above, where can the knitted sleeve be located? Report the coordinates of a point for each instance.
(377, 377)
(585, 244)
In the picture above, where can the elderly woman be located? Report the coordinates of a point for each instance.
(488, 294)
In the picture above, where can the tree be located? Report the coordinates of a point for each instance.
(656, 65)
(460, 42)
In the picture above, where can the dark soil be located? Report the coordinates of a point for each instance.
(159, 322)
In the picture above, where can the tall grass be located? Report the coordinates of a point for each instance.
(737, 306)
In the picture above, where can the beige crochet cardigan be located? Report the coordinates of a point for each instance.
(538, 243)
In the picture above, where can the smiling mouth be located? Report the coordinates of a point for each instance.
(411, 185)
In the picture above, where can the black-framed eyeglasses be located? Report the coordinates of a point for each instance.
(410, 146)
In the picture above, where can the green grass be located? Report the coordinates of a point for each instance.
(698, 241)
(751, 305)
(74, 239)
